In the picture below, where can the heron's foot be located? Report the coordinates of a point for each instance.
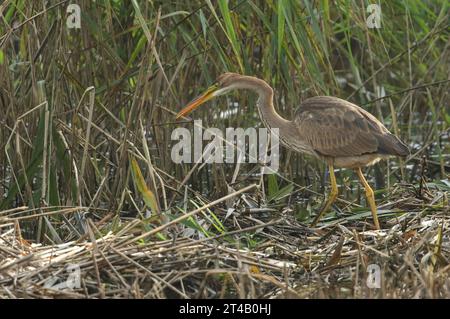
(331, 198)
(370, 198)
(373, 207)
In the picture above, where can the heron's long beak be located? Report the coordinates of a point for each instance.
(208, 95)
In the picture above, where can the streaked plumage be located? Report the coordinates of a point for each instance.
(334, 130)
(342, 130)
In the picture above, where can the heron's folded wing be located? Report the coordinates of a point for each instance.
(335, 127)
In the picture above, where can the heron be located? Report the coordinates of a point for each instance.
(331, 129)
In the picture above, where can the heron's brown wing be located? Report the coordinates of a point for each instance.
(335, 127)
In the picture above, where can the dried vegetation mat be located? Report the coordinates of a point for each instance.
(263, 254)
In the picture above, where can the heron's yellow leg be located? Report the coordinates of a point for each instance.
(331, 197)
(370, 197)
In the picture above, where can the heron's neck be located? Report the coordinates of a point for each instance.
(266, 109)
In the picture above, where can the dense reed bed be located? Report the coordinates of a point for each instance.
(87, 177)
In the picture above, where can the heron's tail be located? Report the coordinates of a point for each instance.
(391, 145)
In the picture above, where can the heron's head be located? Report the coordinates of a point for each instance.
(224, 84)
